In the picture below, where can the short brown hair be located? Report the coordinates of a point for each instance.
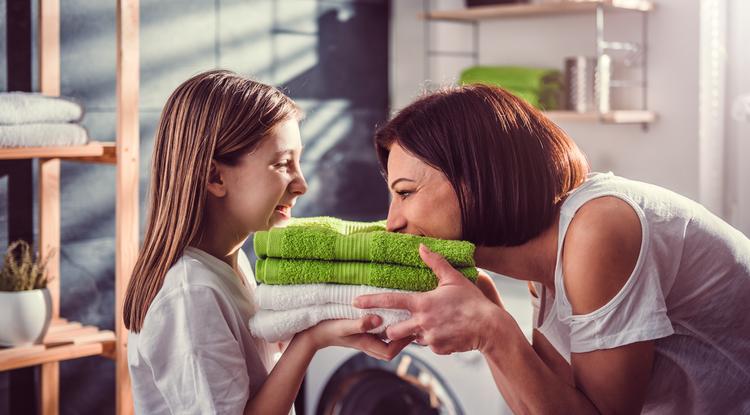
(509, 164)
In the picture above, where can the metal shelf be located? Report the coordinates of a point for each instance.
(531, 10)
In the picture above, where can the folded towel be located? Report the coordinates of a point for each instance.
(32, 108)
(513, 77)
(276, 326)
(42, 135)
(332, 239)
(287, 297)
(401, 277)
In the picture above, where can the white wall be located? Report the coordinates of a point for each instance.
(666, 154)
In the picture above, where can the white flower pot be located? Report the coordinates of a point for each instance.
(24, 316)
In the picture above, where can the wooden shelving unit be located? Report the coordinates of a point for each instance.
(474, 15)
(70, 340)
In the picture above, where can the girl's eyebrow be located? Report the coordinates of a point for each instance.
(287, 151)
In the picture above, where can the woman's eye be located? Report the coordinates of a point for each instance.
(403, 194)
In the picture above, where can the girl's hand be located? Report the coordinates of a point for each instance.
(353, 334)
(456, 316)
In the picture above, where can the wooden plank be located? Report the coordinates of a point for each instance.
(49, 47)
(126, 206)
(109, 155)
(49, 184)
(92, 149)
(55, 354)
(537, 9)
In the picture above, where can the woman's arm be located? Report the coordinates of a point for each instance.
(600, 253)
(277, 393)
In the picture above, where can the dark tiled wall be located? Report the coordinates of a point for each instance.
(331, 56)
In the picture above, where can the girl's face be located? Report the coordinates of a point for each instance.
(423, 201)
(261, 189)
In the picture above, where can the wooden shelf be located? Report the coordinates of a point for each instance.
(543, 9)
(64, 341)
(94, 151)
(614, 117)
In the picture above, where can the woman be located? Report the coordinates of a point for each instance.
(641, 295)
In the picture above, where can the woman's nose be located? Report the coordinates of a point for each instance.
(396, 221)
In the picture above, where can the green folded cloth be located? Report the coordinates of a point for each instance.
(540, 87)
(548, 101)
(513, 77)
(334, 239)
(289, 271)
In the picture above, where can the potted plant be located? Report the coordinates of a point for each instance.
(25, 301)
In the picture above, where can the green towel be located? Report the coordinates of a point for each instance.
(514, 77)
(542, 88)
(338, 240)
(289, 271)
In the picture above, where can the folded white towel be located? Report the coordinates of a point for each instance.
(42, 135)
(276, 326)
(31, 108)
(287, 297)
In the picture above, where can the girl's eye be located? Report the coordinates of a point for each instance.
(280, 164)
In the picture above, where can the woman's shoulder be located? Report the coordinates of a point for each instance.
(600, 251)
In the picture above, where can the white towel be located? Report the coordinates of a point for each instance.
(32, 108)
(287, 297)
(276, 326)
(42, 135)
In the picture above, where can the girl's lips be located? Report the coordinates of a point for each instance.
(283, 210)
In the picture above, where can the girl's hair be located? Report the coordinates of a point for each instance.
(509, 165)
(215, 115)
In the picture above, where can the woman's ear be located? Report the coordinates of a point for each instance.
(215, 183)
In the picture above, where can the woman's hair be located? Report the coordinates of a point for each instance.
(509, 165)
(215, 115)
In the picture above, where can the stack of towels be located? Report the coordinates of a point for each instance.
(35, 120)
(542, 88)
(313, 269)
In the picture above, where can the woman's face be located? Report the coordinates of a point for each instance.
(263, 186)
(423, 201)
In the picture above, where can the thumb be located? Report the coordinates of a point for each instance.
(442, 268)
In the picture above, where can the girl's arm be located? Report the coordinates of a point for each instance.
(277, 394)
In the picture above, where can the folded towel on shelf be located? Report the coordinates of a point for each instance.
(287, 297)
(276, 326)
(42, 135)
(542, 88)
(34, 108)
(513, 77)
(402, 277)
(323, 241)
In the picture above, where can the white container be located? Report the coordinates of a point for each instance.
(24, 316)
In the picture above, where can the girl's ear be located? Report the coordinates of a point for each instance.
(215, 183)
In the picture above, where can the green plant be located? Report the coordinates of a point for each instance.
(21, 271)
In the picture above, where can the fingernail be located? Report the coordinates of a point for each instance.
(356, 302)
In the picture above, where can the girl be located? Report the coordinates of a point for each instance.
(225, 164)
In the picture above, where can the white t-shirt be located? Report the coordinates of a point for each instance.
(195, 354)
(689, 291)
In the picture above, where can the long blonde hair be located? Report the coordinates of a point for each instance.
(215, 115)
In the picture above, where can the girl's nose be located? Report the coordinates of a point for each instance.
(298, 186)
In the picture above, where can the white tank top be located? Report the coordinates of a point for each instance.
(689, 291)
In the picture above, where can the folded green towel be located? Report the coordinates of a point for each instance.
(513, 77)
(338, 240)
(547, 101)
(289, 271)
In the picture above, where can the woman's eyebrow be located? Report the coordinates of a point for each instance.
(402, 179)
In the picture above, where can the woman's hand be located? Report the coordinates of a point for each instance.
(454, 317)
(353, 334)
